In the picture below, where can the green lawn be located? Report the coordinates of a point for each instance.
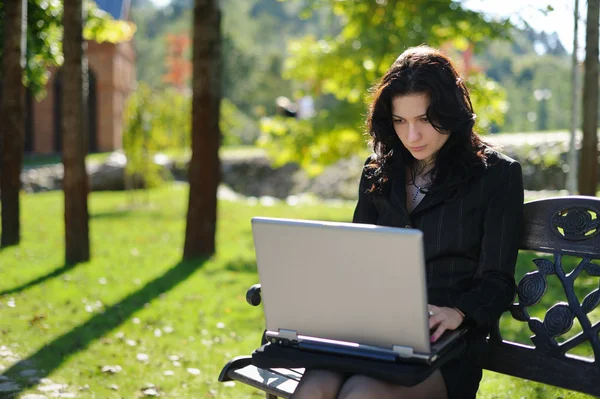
(167, 324)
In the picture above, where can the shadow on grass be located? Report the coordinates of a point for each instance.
(241, 265)
(52, 355)
(39, 280)
(139, 213)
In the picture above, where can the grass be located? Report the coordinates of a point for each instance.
(138, 306)
(179, 154)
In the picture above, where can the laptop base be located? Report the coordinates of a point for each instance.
(402, 373)
(289, 338)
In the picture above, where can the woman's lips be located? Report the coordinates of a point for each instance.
(417, 149)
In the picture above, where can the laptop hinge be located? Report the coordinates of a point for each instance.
(288, 334)
(403, 351)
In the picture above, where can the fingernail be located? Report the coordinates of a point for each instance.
(432, 339)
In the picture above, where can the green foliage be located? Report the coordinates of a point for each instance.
(530, 62)
(44, 37)
(237, 128)
(313, 143)
(347, 64)
(154, 122)
(489, 101)
(101, 27)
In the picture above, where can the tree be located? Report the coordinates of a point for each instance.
(572, 176)
(588, 168)
(12, 115)
(204, 170)
(75, 181)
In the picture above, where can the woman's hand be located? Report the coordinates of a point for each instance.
(444, 318)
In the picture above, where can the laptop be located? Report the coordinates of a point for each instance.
(346, 288)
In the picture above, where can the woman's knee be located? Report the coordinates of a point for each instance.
(363, 387)
(319, 384)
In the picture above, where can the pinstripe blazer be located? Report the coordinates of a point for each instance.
(471, 239)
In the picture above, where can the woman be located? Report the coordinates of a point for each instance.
(430, 171)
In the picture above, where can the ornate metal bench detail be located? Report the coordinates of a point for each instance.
(568, 226)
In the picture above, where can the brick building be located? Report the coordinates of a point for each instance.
(112, 78)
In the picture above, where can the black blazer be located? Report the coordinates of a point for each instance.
(471, 240)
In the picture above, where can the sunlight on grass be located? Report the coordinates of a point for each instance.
(166, 324)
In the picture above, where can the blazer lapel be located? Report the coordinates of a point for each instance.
(431, 199)
(398, 191)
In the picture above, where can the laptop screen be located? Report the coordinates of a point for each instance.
(343, 281)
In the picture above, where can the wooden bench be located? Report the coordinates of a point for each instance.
(562, 227)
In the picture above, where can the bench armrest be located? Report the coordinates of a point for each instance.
(253, 295)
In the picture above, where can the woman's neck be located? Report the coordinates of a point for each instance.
(422, 167)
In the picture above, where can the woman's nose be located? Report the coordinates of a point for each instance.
(413, 133)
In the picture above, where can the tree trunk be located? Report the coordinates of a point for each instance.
(75, 182)
(588, 170)
(204, 170)
(12, 117)
(572, 175)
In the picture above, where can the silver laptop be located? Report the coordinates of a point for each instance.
(346, 288)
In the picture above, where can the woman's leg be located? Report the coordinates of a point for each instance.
(319, 384)
(363, 387)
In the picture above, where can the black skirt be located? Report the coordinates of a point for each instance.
(461, 375)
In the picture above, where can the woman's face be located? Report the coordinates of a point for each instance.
(409, 116)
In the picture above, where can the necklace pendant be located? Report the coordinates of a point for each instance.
(414, 199)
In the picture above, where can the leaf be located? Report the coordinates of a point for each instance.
(142, 357)
(150, 392)
(536, 326)
(591, 301)
(519, 312)
(592, 269)
(111, 369)
(545, 266)
(37, 319)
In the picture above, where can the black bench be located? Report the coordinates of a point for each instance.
(567, 228)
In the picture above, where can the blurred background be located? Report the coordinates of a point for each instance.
(125, 255)
(294, 83)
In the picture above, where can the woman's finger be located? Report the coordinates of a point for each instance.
(438, 332)
(436, 319)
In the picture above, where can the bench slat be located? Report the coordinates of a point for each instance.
(278, 382)
(534, 365)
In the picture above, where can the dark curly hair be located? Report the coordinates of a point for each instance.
(424, 70)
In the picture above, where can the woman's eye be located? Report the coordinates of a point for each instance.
(424, 120)
(398, 120)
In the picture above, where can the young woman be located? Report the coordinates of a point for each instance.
(430, 171)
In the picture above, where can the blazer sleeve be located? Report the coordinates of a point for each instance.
(494, 284)
(365, 211)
